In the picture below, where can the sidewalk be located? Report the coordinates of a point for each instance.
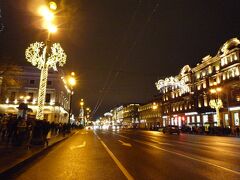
(11, 156)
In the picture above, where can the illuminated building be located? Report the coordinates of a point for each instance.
(130, 115)
(186, 97)
(150, 115)
(117, 115)
(57, 97)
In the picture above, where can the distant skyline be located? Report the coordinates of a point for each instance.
(119, 49)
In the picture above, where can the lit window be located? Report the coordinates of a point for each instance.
(198, 75)
(217, 67)
(224, 76)
(203, 74)
(235, 57)
(204, 85)
(199, 103)
(209, 69)
(205, 101)
(218, 79)
(199, 87)
(237, 71)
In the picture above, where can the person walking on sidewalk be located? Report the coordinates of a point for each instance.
(3, 127)
(45, 129)
(237, 131)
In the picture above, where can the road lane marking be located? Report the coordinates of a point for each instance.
(182, 155)
(84, 133)
(119, 164)
(125, 144)
(78, 146)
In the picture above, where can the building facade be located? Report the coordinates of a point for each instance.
(150, 115)
(130, 115)
(24, 89)
(186, 98)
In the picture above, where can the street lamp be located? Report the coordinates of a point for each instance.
(45, 56)
(82, 112)
(72, 83)
(216, 103)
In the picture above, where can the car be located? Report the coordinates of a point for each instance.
(171, 129)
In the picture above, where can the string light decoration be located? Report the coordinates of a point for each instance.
(216, 104)
(37, 54)
(172, 82)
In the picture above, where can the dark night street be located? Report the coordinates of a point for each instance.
(135, 154)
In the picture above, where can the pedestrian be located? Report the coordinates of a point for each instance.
(3, 127)
(237, 131)
(21, 131)
(45, 130)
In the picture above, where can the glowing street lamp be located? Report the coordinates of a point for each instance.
(216, 103)
(82, 111)
(44, 56)
(71, 82)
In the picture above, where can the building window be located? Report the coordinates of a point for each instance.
(49, 83)
(205, 119)
(199, 103)
(205, 101)
(235, 57)
(204, 85)
(48, 98)
(199, 87)
(198, 75)
(32, 81)
(198, 119)
(209, 70)
(193, 119)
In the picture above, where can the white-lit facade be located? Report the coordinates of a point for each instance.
(57, 97)
(185, 97)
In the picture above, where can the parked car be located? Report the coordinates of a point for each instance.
(171, 130)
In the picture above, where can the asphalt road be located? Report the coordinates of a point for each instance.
(129, 154)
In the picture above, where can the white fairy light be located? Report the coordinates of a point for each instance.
(38, 56)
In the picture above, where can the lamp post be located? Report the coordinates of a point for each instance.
(216, 103)
(45, 56)
(82, 112)
(72, 83)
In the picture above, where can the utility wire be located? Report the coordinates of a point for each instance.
(106, 84)
(140, 34)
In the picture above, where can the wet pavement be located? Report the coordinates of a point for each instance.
(134, 154)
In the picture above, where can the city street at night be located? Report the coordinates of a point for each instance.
(135, 154)
(119, 89)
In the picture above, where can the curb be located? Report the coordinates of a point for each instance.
(9, 171)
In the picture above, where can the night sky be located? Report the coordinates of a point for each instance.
(120, 48)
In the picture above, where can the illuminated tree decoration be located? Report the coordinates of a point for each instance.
(216, 104)
(37, 54)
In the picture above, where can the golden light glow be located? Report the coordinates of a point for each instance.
(46, 13)
(213, 91)
(219, 89)
(52, 28)
(72, 81)
(81, 102)
(52, 5)
(155, 106)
